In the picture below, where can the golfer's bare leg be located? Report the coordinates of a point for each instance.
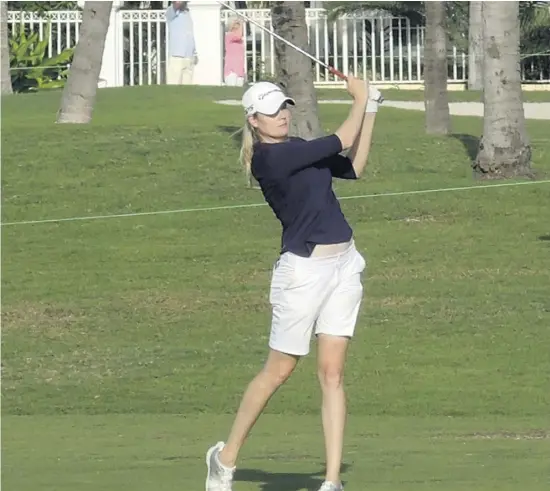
(331, 359)
(276, 371)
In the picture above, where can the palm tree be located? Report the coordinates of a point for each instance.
(77, 101)
(438, 120)
(436, 100)
(534, 20)
(504, 150)
(295, 71)
(475, 46)
(5, 50)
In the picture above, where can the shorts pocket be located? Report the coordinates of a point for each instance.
(285, 276)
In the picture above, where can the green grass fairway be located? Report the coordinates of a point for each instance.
(127, 342)
(165, 452)
(418, 95)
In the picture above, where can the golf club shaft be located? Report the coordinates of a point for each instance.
(300, 50)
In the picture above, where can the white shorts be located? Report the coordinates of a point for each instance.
(315, 294)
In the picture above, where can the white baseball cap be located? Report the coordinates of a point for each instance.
(265, 98)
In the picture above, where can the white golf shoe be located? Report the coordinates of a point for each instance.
(219, 477)
(330, 486)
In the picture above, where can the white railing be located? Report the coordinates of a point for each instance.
(64, 27)
(386, 49)
(145, 47)
(536, 68)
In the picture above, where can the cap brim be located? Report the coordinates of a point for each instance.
(273, 105)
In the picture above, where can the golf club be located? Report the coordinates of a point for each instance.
(300, 50)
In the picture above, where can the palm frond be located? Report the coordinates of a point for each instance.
(412, 10)
(534, 20)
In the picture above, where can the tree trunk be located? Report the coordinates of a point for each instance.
(295, 69)
(436, 101)
(5, 50)
(504, 150)
(79, 93)
(475, 46)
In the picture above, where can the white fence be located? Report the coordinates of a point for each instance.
(145, 48)
(388, 50)
(64, 27)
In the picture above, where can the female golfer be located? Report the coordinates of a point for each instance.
(316, 283)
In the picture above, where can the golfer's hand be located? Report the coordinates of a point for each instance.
(358, 88)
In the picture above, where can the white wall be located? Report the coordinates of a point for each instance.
(209, 42)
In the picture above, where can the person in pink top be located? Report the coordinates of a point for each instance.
(233, 71)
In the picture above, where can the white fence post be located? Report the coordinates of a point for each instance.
(209, 42)
(108, 77)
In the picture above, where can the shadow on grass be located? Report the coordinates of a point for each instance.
(232, 132)
(544, 238)
(235, 134)
(470, 142)
(277, 481)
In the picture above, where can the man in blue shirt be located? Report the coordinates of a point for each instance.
(182, 53)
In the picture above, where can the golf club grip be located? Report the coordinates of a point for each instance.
(337, 73)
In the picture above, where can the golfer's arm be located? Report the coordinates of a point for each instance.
(284, 159)
(350, 128)
(359, 152)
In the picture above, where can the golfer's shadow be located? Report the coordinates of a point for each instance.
(277, 481)
(233, 132)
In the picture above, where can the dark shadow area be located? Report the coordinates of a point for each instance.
(277, 481)
(544, 237)
(272, 481)
(232, 131)
(470, 142)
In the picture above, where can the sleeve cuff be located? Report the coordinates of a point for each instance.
(337, 143)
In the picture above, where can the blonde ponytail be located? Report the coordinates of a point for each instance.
(249, 137)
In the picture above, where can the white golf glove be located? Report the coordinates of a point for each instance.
(375, 99)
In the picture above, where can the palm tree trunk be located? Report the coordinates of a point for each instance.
(294, 69)
(79, 93)
(475, 46)
(436, 101)
(504, 150)
(5, 50)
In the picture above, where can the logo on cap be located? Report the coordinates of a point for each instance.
(261, 97)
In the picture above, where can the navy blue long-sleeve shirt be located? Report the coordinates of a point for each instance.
(296, 179)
